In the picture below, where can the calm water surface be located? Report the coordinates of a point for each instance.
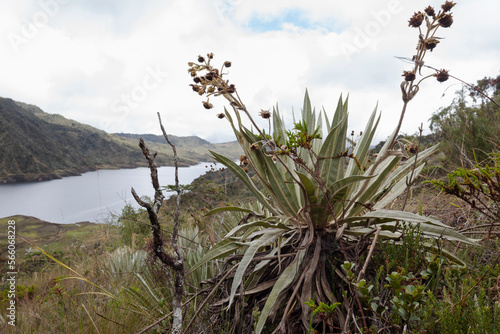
(93, 196)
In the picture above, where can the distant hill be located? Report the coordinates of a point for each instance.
(177, 141)
(191, 146)
(39, 146)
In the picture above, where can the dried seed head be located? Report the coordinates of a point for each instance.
(214, 73)
(210, 55)
(201, 59)
(209, 77)
(416, 20)
(413, 148)
(197, 79)
(227, 64)
(221, 116)
(409, 75)
(254, 147)
(442, 76)
(430, 11)
(430, 43)
(243, 158)
(446, 20)
(207, 105)
(447, 6)
(231, 89)
(265, 114)
(352, 133)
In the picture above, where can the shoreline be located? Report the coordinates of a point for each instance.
(57, 175)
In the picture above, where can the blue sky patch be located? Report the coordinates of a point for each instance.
(264, 23)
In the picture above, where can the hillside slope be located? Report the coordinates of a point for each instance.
(39, 146)
(191, 146)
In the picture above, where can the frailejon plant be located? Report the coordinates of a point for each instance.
(322, 203)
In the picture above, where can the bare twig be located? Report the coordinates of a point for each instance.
(179, 270)
(410, 180)
(177, 262)
(370, 252)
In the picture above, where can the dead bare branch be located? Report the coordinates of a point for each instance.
(174, 262)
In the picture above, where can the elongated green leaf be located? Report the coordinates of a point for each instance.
(258, 223)
(309, 187)
(284, 281)
(384, 234)
(397, 190)
(363, 145)
(309, 118)
(226, 209)
(273, 252)
(256, 157)
(446, 233)
(427, 225)
(338, 193)
(280, 187)
(317, 211)
(266, 238)
(340, 111)
(331, 164)
(405, 168)
(393, 215)
(240, 173)
(317, 143)
(336, 186)
(278, 126)
(327, 121)
(279, 184)
(237, 133)
(385, 147)
(307, 113)
(374, 186)
(225, 247)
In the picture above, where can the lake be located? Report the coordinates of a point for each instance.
(92, 196)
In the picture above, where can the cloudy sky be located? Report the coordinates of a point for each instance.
(114, 63)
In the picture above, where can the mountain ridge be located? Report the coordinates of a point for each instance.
(38, 146)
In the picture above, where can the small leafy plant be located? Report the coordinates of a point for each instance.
(479, 187)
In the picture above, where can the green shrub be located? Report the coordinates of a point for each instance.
(134, 226)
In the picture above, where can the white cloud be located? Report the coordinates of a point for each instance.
(93, 60)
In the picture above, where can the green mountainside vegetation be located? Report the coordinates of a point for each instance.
(40, 146)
